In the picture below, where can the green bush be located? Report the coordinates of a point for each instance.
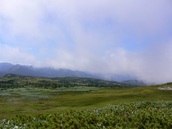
(142, 115)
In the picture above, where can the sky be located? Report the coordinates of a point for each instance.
(125, 37)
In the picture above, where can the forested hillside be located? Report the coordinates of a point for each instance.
(16, 81)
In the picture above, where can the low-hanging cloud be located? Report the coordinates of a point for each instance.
(108, 36)
(15, 55)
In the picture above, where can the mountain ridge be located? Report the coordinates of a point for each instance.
(7, 68)
(15, 81)
(48, 72)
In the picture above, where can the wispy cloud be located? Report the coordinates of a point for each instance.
(15, 55)
(107, 36)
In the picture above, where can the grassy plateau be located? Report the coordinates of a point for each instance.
(30, 102)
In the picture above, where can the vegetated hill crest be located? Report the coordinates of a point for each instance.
(7, 68)
(135, 82)
(18, 80)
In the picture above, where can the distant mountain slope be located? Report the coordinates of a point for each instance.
(135, 82)
(14, 81)
(22, 70)
(1, 74)
(6, 68)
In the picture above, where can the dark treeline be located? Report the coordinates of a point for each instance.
(48, 83)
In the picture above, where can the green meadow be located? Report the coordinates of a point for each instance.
(29, 99)
(38, 100)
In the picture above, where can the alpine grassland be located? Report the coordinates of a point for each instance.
(30, 102)
(141, 115)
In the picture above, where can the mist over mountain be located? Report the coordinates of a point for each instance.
(125, 39)
(8, 68)
(5, 66)
(1, 74)
(135, 82)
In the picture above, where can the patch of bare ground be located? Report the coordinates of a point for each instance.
(165, 88)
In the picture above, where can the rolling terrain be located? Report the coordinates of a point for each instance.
(16, 81)
(8, 68)
(47, 72)
(35, 98)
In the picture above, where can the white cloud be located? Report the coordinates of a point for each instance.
(145, 17)
(156, 63)
(89, 35)
(15, 55)
(22, 15)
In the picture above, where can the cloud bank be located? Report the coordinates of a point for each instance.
(108, 36)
